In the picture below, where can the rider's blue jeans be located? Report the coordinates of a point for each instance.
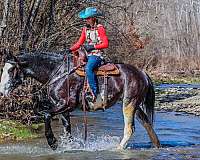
(93, 62)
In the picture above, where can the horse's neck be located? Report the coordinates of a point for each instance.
(40, 73)
(41, 67)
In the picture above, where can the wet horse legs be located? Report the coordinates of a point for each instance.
(65, 117)
(48, 132)
(143, 119)
(128, 112)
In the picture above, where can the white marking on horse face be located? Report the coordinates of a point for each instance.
(5, 78)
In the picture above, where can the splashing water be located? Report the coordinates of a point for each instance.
(66, 143)
(93, 143)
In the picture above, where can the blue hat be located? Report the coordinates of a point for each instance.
(89, 12)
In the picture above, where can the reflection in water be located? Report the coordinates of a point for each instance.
(179, 135)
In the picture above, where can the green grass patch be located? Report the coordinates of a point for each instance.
(37, 127)
(176, 80)
(11, 130)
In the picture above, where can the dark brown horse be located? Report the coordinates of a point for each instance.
(133, 86)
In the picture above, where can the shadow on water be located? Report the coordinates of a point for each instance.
(179, 135)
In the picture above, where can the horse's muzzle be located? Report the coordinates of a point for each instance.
(4, 93)
(1, 94)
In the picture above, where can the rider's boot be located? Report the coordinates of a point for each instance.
(95, 102)
(91, 99)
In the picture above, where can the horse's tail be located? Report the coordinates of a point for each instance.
(149, 101)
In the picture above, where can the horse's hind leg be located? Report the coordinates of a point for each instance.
(143, 119)
(65, 117)
(129, 127)
(49, 133)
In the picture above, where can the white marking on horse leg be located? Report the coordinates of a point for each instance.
(5, 77)
(128, 112)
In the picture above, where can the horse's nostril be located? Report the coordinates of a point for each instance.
(1, 94)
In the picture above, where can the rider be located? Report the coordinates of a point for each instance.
(94, 39)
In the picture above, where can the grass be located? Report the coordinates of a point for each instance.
(176, 80)
(14, 131)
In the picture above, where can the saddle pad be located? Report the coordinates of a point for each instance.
(107, 69)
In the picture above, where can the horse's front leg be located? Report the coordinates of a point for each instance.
(65, 117)
(49, 133)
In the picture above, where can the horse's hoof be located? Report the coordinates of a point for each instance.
(157, 146)
(54, 144)
(119, 147)
(70, 139)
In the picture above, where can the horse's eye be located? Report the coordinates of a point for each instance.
(10, 70)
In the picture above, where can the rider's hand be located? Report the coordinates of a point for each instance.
(89, 48)
(67, 52)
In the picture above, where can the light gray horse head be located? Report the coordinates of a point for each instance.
(11, 75)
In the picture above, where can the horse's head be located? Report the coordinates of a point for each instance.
(12, 74)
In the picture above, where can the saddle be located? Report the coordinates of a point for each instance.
(108, 69)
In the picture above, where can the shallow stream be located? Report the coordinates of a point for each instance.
(179, 134)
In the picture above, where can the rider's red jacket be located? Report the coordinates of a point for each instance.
(101, 33)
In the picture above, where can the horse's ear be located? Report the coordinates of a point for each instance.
(16, 59)
(9, 57)
(7, 54)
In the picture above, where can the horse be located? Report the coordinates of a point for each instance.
(133, 86)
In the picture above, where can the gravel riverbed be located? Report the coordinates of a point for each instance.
(178, 99)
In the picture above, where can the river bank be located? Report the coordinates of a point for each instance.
(178, 98)
(11, 130)
(178, 92)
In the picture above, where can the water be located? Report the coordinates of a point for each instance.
(179, 135)
(186, 86)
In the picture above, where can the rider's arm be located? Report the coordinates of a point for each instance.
(103, 38)
(80, 41)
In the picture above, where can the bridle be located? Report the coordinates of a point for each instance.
(49, 83)
(66, 60)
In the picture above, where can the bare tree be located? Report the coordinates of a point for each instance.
(5, 16)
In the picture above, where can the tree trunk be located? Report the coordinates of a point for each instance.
(21, 17)
(5, 15)
(25, 34)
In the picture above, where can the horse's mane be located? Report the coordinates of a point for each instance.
(40, 55)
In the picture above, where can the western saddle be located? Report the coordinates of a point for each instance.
(108, 69)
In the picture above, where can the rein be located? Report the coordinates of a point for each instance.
(84, 108)
(47, 83)
(62, 75)
(66, 73)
